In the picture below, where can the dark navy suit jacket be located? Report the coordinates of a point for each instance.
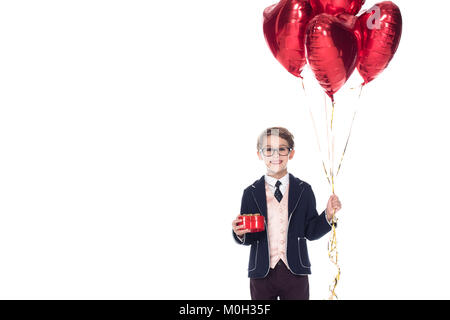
(304, 223)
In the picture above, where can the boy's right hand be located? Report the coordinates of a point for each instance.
(239, 229)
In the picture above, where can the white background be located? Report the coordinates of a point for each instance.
(128, 132)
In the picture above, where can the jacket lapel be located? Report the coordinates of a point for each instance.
(259, 195)
(295, 192)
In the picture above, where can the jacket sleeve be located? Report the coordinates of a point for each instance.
(248, 238)
(316, 225)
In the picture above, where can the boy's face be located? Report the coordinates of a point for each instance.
(275, 163)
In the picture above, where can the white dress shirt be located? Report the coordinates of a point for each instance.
(271, 181)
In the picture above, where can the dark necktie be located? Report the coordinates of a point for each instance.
(278, 194)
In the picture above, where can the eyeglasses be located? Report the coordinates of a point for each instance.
(283, 151)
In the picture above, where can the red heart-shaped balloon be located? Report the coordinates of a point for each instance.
(379, 30)
(331, 50)
(337, 6)
(284, 26)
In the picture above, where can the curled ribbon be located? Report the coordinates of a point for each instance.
(333, 253)
(332, 243)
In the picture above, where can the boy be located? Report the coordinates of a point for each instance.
(279, 263)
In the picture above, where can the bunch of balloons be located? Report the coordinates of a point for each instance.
(332, 38)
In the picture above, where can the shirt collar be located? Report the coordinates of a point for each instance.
(272, 181)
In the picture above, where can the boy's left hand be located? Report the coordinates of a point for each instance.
(333, 205)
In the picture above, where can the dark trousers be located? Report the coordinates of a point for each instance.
(280, 282)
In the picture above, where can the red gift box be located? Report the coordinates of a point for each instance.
(253, 222)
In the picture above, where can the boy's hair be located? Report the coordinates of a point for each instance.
(276, 131)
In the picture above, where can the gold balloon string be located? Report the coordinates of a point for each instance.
(350, 132)
(333, 253)
(317, 136)
(326, 125)
(332, 114)
(332, 140)
(332, 243)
